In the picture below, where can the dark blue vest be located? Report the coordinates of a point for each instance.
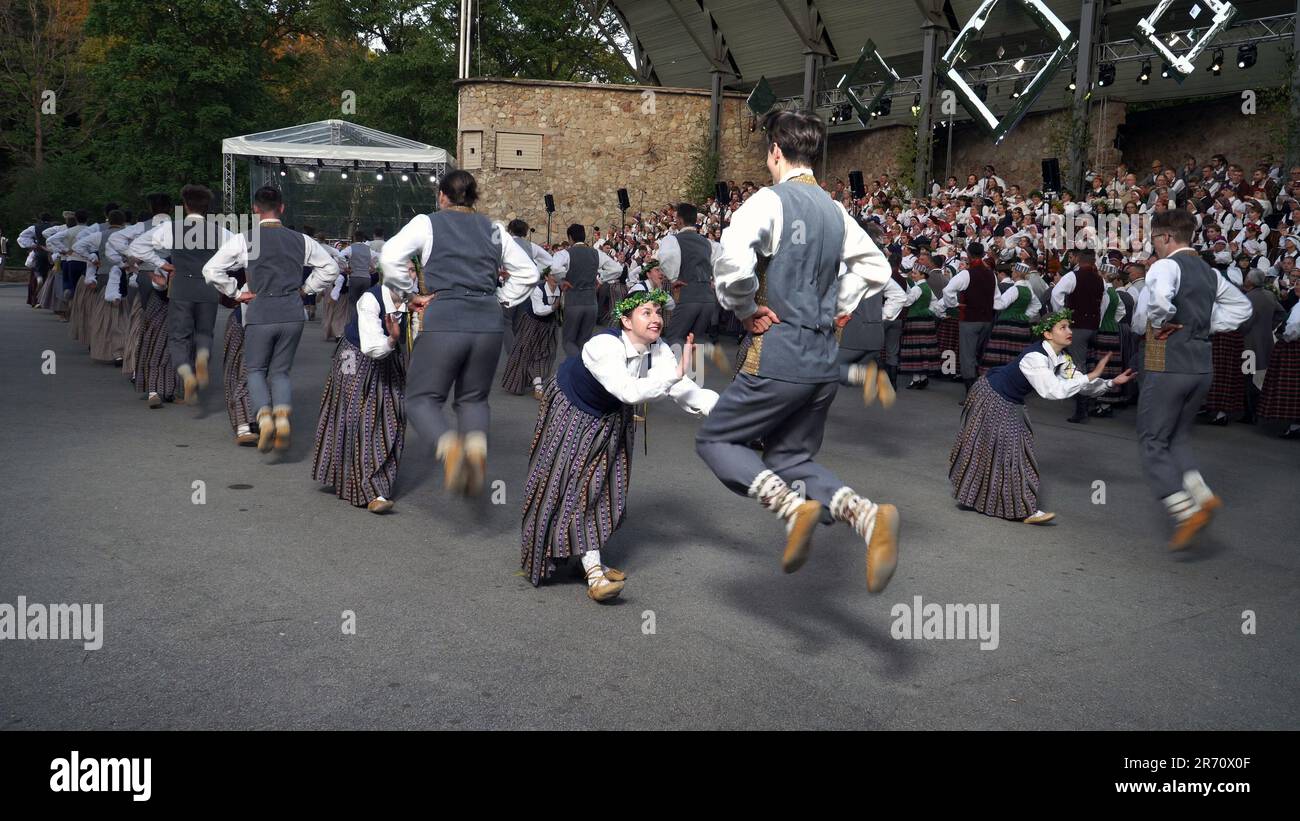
(353, 334)
(546, 300)
(582, 389)
(1009, 382)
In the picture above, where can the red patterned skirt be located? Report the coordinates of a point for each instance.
(1281, 392)
(1228, 390)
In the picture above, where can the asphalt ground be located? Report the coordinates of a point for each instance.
(230, 614)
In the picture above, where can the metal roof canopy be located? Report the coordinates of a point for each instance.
(330, 143)
(765, 38)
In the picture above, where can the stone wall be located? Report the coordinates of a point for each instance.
(595, 140)
(598, 138)
(1202, 130)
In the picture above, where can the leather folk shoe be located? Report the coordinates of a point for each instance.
(282, 431)
(882, 548)
(1187, 529)
(799, 529)
(265, 429)
(1040, 517)
(604, 588)
(380, 505)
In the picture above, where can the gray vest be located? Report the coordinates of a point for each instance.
(359, 261)
(276, 277)
(800, 286)
(583, 264)
(105, 266)
(193, 244)
(526, 245)
(462, 272)
(696, 271)
(865, 330)
(1188, 350)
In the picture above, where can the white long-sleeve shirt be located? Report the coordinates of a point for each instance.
(27, 239)
(147, 245)
(541, 308)
(895, 301)
(233, 255)
(670, 256)
(1006, 298)
(756, 228)
(416, 239)
(1054, 376)
(1291, 331)
(618, 365)
(1155, 305)
(61, 241)
(374, 338)
(607, 270)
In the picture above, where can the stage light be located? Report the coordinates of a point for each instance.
(1105, 74)
(916, 105)
(433, 179)
(1073, 85)
(885, 105)
(1246, 55)
(981, 91)
(343, 175)
(379, 176)
(405, 178)
(1216, 62)
(1144, 73)
(1166, 69)
(1017, 89)
(311, 175)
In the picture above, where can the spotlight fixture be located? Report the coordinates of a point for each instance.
(1017, 89)
(1073, 85)
(1246, 55)
(311, 175)
(1216, 62)
(379, 176)
(1019, 65)
(1144, 73)
(982, 91)
(343, 175)
(885, 105)
(433, 179)
(283, 171)
(1166, 69)
(916, 105)
(405, 178)
(1105, 74)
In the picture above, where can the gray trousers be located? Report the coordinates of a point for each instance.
(851, 356)
(1078, 350)
(973, 337)
(508, 318)
(268, 354)
(440, 361)
(789, 417)
(1167, 409)
(189, 329)
(893, 341)
(579, 322)
(689, 318)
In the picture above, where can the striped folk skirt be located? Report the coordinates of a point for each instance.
(78, 308)
(1281, 392)
(919, 350)
(532, 355)
(334, 314)
(1228, 389)
(992, 466)
(949, 334)
(234, 375)
(134, 319)
(1106, 342)
(362, 425)
(578, 475)
(1007, 339)
(153, 366)
(108, 322)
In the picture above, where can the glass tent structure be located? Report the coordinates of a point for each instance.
(336, 176)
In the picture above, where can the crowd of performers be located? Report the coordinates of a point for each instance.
(421, 319)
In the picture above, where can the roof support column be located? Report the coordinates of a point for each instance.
(715, 111)
(812, 67)
(925, 125)
(1089, 25)
(1292, 127)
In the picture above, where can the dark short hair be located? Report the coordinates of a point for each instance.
(799, 134)
(82, 215)
(577, 233)
(460, 188)
(267, 198)
(358, 236)
(687, 212)
(197, 198)
(975, 249)
(379, 233)
(112, 206)
(159, 203)
(1176, 221)
(517, 228)
(873, 230)
(116, 217)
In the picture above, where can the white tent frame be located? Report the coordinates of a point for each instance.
(330, 144)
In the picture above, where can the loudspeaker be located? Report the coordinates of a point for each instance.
(550, 204)
(724, 193)
(856, 185)
(623, 202)
(1051, 174)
